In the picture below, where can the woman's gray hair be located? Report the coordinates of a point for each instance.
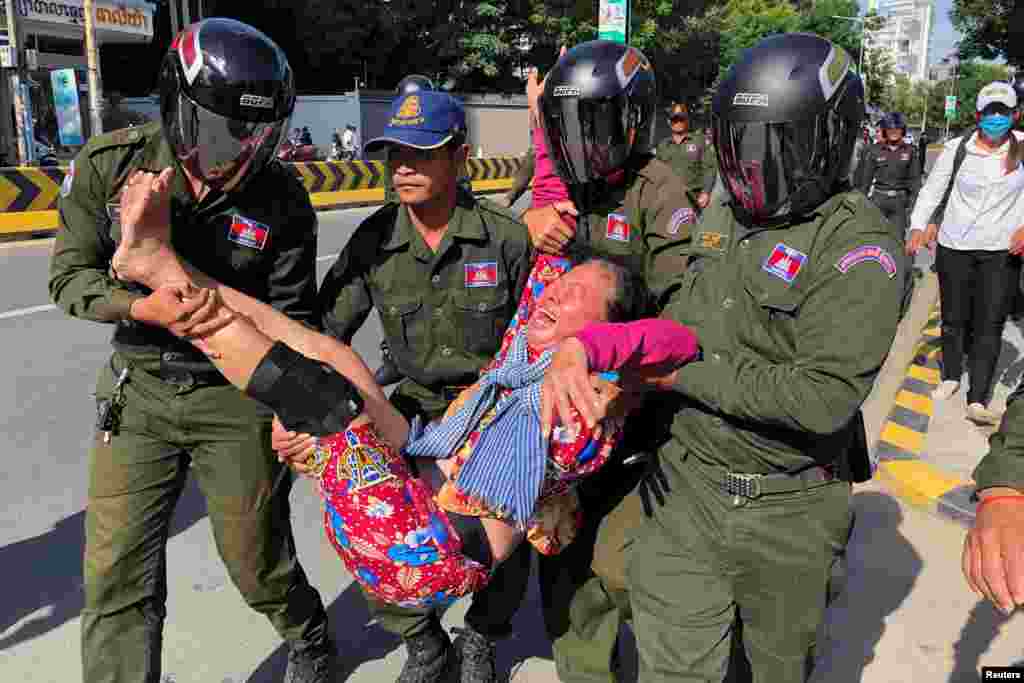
(628, 298)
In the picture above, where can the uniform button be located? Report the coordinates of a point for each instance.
(727, 304)
(393, 310)
(438, 312)
(170, 356)
(435, 279)
(482, 307)
(745, 244)
(717, 358)
(446, 351)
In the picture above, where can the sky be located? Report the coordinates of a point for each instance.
(944, 37)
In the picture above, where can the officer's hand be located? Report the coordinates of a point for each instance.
(914, 242)
(548, 232)
(566, 385)
(993, 557)
(1017, 241)
(292, 448)
(703, 199)
(173, 307)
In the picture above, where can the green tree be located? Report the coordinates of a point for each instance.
(819, 19)
(985, 29)
(746, 22)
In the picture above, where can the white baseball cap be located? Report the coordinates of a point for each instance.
(997, 92)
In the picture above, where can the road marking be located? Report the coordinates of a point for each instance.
(21, 312)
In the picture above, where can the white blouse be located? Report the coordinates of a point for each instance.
(986, 205)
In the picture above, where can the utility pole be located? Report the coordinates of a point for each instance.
(93, 64)
(14, 83)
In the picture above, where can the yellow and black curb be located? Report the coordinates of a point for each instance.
(28, 195)
(900, 448)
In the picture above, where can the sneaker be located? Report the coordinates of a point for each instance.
(430, 657)
(945, 390)
(310, 663)
(979, 414)
(475, 653)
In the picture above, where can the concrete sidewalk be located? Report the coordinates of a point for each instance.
(928, 449)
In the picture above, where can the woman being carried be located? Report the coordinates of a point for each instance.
(428, 528)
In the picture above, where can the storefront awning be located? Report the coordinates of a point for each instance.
(115, 22)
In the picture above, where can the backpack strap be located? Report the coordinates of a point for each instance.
(958, 160)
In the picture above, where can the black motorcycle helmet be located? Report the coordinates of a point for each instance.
(414, 83)
(892, 121)
(598, 110)
(226, 94)
(785, 120)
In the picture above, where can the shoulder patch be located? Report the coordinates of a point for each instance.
(868, 252)
(681, 217)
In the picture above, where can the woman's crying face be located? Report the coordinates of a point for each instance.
(568, 304)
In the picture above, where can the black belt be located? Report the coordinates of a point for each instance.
(757, 485)
(182, 369)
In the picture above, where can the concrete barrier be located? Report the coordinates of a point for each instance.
(28, 195)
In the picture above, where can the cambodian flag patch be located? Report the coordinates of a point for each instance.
(617, 228)
(784, 262)
(482, 274)
(248, 233)
(869, 252)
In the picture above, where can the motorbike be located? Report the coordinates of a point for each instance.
(289, 151)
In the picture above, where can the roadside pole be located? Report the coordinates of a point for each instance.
(93, 65)
(14, 73)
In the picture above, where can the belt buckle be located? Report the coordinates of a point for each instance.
(746, 485)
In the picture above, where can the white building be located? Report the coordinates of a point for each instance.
(906, 35)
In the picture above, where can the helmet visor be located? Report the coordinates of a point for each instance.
(220, 150)
(587, 139)
(765, 164)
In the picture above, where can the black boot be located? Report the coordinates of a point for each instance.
(475, 653)
(388, 373)
(310, 662)
(430, 656)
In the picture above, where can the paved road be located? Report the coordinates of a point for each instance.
(906, 616)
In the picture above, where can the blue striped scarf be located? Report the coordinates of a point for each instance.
(506, 469)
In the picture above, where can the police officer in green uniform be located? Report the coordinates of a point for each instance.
(791, 288)
(890, 173)
(227, 93)
(689, 154)
(444, 272)
(633, 209)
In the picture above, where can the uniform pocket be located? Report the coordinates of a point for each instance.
(482, 320)
(398, 318)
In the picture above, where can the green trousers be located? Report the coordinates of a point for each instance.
(582, 612)
(135, 482)
(706, 556)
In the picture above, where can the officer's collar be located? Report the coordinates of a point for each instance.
(460, 226)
